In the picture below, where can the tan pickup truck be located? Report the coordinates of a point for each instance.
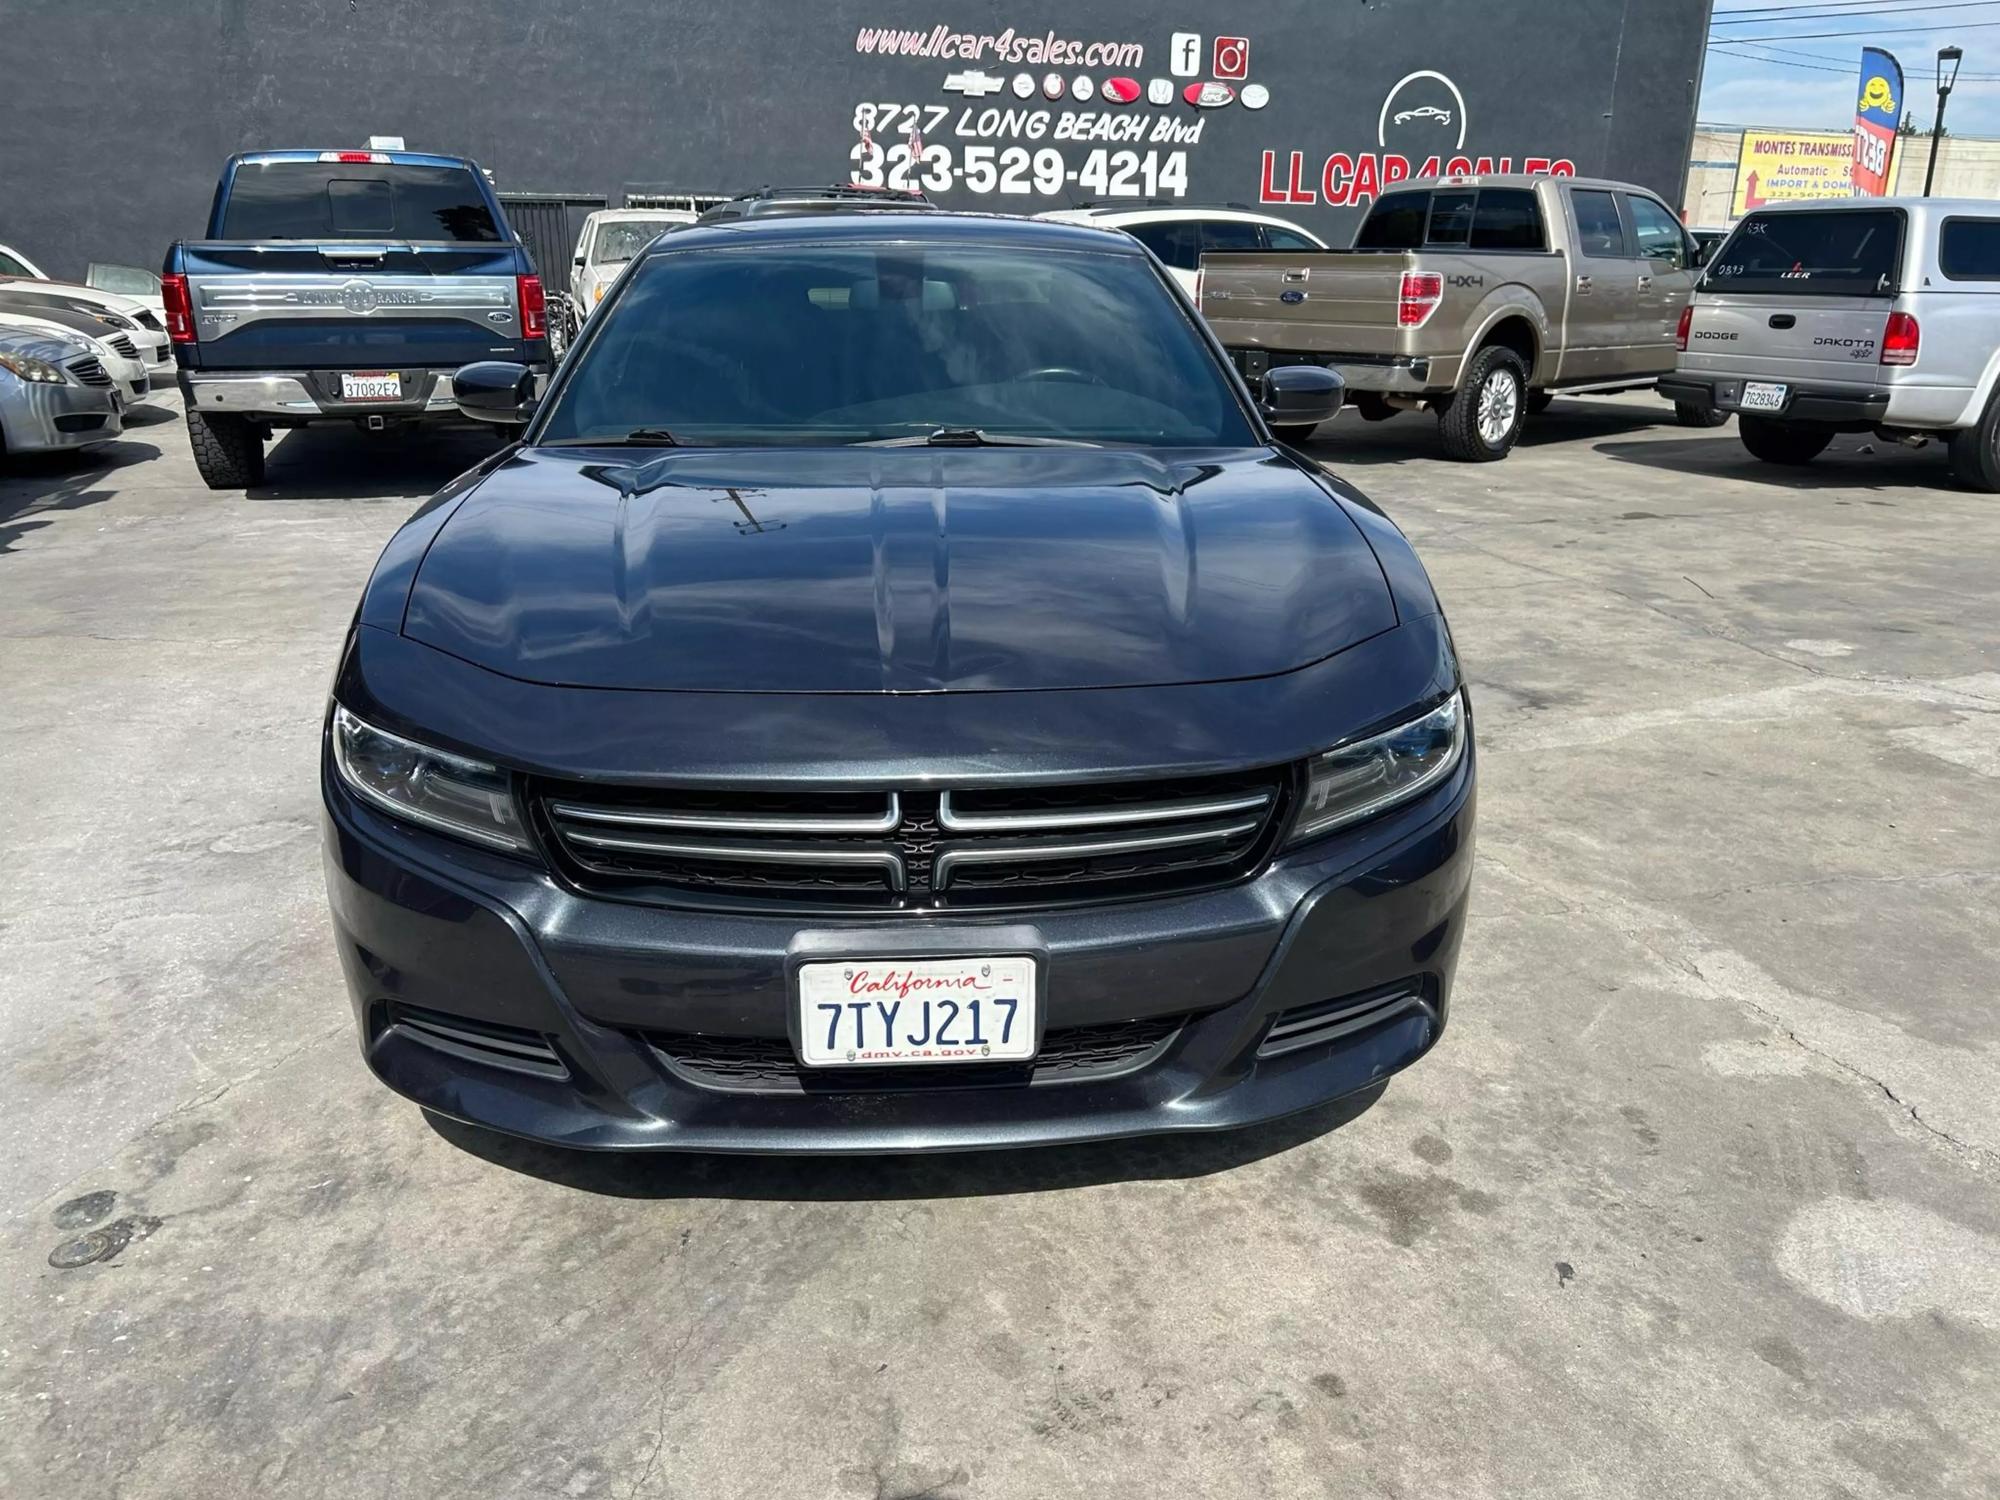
(1476, 298)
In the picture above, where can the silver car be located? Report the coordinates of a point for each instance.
(54, 393)
(1875, 315)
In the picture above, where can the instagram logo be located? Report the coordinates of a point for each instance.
(1232, 57)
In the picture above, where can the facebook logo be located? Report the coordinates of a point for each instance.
(1184, 54)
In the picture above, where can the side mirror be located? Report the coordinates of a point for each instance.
(495, 390)
(577, 262)
(1300, 395)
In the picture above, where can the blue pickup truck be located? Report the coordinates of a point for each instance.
(341, 286)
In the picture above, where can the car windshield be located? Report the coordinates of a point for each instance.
(312, 200)
(621, 239)
(130, 281)
(1836, 252)
(805, 343)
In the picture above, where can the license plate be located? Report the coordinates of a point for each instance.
(1762, 395)
(871, 1013)
(371, 386)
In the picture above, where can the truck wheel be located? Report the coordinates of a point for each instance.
(1687, 414)
(227, 451)
(1484, 417)
(1373, 406)
(1782, 443)
(1975, 452)
(1539, 402)
(1293, 432)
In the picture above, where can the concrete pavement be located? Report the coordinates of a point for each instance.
(1697, 1197)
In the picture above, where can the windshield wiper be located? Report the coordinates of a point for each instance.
(637, 437)
(973, 437)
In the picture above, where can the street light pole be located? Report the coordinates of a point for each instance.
(1945, 55)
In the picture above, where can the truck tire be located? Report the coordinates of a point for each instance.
(227, 450)
(1484, 417)
(1975, 452)
(1687, 414)
(1781, 442)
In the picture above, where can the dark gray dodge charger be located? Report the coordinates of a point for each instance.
(895, 695)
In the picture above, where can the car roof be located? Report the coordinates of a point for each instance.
(665, 215)
(1984, 206)
(900, 226)
(1514, 180)
(390, 158)
(1151, 212)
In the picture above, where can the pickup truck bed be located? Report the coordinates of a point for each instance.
(1473, 297)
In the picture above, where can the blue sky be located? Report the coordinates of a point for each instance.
(1802, 76)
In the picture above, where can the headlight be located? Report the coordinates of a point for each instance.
(40, 371)
(1360, 779)
(463, 797)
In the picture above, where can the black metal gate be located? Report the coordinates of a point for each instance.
(548, 224)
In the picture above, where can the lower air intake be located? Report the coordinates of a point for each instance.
(1326, 1021)
(510, 1047)
(1074, 1054)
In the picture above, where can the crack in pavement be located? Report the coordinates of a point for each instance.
(1721, 973)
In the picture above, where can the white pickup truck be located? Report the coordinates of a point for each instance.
(1877, 316)
(1475, 298)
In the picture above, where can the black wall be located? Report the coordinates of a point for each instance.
(720, 94)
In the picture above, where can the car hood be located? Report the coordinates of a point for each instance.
(896, 570)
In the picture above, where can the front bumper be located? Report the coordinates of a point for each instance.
(311, 395)
(40, 418)
(1809, 405)
(1370, 920)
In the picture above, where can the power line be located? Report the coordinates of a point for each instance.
(1837, 10)
(1818, 62)
(1721, 49)
(1878, 32)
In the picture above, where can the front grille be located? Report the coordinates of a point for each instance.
(90, 370)
(1071, 1054)
(511, 1047)
(123, 345)
(887, 850)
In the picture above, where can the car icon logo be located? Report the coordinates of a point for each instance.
(1424, 112)
(1210, 95)
(1160, 91)
(1024, 85)
(1084, 88)
(1053, 86)
(1255, 96)
(1120, 90)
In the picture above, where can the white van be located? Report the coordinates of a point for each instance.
(1872, 315)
